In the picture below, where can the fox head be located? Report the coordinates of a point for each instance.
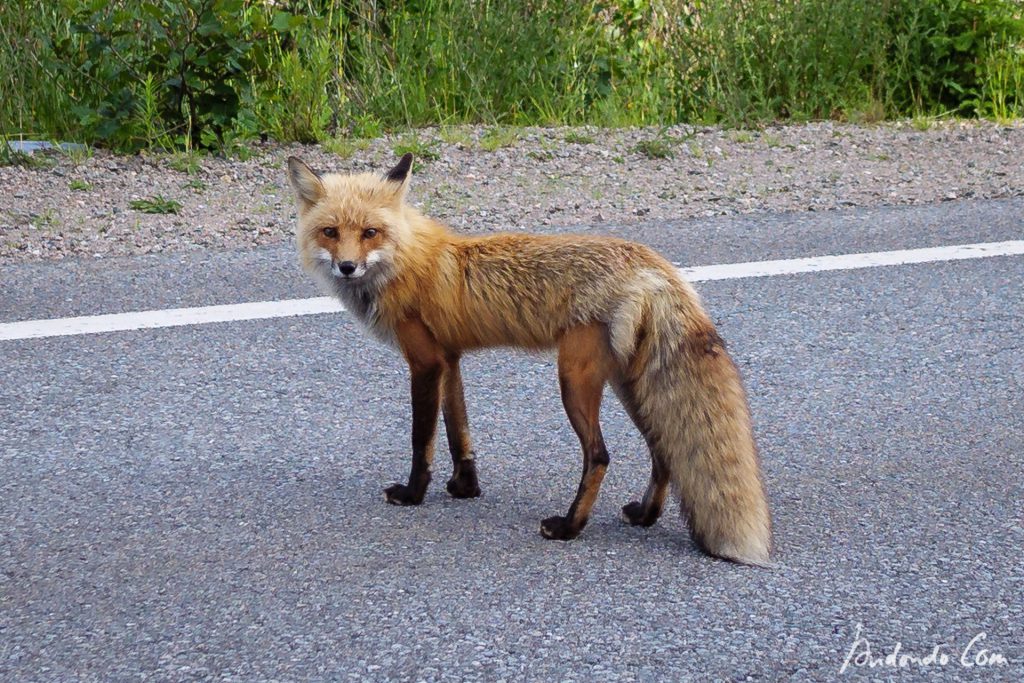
(350, 226)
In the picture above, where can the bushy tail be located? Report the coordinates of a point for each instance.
(687, 398)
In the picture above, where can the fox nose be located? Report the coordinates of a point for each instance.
(347, 267)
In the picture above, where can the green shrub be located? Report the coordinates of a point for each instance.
(184, 74)
(155, 70)
(942, 54)
(36, 100)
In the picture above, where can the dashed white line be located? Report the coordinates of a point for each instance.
(201, 315)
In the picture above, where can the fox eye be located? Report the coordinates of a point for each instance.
(369, 233)
(330, 232)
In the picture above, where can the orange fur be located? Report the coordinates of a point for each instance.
(435, 294)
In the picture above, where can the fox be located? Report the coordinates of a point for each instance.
(616, 312)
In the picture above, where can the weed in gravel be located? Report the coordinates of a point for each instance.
(156, 204)
(8, 157)
(184, 162)
(195, 184)
(422, 150)
(36, 160)
(741, 136)
(771, 141)
(77, 154)
(46, 219)
(367, 127)
(79, 185)
(661, 147)
(921, 123)
(541, 154)
(238, 149)
(345, 147)
(459, 136)
(576, 137)
(498, 137)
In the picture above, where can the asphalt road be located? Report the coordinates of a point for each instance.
(205, 502)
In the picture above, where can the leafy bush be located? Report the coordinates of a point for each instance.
(186, 74)
(940, 52)
(162, 71)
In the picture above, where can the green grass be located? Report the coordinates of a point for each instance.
(422, 150)
(498, 137)
(459, 136)
(10, 157)
(38, 160)
(921, 123)
(576, 137)
(184, 162)
(77, 155)
(345, 147)
(321, 71)
(655, 149)
(156, 204)
(46, 219)
(662, 146)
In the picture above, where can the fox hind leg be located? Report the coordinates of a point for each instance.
(645, 512)
(584, 365)
(463, 483)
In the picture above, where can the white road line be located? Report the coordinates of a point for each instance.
(169, 317)
(814, 264)
(175, 317)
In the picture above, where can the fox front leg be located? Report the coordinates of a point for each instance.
(426, 367)
(463, 483)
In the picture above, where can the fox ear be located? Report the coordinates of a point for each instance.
(400, 173)
(308, 186)
(397, 179)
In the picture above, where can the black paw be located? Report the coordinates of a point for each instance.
(464, 485)
(635, 514)
(400, 494)
(558, 529)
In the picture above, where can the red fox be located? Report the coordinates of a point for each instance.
(617, 312)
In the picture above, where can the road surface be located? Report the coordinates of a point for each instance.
(204, 501)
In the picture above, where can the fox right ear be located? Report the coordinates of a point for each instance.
(400, 173)
(308, 186)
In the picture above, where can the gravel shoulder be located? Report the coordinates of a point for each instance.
(543, 176)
